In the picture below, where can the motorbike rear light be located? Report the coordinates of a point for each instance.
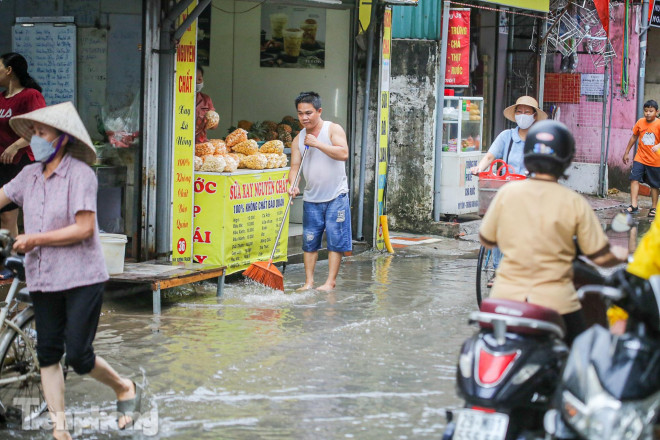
(482, 409)
(493, 366)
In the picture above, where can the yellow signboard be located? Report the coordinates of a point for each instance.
(382, 155)
(535, 5)
(184, 141)
(237, 217)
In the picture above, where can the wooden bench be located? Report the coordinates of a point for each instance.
(164, 275)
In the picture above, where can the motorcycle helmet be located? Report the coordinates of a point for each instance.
(549, 148)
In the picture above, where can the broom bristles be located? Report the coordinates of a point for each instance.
(264, 272)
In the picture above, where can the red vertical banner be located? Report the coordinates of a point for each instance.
(458, 49)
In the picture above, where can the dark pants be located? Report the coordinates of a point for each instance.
(68, 318)
(575, 324)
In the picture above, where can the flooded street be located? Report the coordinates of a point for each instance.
(374, 359)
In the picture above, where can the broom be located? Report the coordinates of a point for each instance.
(265, 272)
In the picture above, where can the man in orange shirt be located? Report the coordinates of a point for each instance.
(646, 165)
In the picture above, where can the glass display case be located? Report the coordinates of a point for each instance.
(461, 150)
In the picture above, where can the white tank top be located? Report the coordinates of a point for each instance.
(325, 177)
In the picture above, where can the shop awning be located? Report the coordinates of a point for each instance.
(534, 5)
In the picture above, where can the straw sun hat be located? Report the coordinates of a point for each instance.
(510, 111)
(65, 118)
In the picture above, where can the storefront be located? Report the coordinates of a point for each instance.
(91, 53)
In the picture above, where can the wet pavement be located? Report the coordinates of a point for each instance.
(375, 359)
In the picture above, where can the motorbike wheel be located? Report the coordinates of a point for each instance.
(485, 273)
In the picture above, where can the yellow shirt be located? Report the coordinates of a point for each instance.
(646, 259)
(534, 223)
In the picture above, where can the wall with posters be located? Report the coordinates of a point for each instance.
(241, 89)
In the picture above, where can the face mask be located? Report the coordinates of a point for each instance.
(524, 121)
(43, 150)
(198, 87)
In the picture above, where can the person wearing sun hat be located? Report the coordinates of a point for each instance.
(508, 146)
(64, 263)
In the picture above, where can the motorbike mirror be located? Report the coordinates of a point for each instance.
(622, 222)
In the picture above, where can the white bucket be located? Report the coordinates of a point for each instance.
(114, 249)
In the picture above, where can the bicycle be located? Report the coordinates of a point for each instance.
(20, 379)
(485, 273)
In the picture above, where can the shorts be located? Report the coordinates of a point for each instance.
(333, 217)
(7, 174)
(645, 174)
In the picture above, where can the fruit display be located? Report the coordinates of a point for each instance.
(284, 131)
(248, 147)
(275, 146)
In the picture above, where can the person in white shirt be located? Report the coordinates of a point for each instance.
(325, 199)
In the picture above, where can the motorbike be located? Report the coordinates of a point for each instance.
(508, 372)
(610, 388)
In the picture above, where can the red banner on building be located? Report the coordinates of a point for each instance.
(458, 49)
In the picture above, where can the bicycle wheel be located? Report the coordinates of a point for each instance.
(22, 398)
(485, 273)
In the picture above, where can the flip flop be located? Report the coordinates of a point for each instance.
(652, 212)
(130, 407)
(632, 209)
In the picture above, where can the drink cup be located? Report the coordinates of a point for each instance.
(277, 24)
(309, 28)
(292, 41)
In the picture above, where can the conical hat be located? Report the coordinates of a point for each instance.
(65, 118)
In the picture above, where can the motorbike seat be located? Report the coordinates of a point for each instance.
(520, 317)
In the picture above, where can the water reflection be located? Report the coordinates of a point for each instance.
(373, 359)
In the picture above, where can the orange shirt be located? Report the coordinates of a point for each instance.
(649, 135)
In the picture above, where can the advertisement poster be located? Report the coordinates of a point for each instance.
(237, 217)
(292, 36)
(384, 132)
(184, 141)
(458, 49)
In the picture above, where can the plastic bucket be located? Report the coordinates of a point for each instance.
(492, 180)
(114, 249)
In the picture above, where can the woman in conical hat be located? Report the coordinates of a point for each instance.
(64, 262)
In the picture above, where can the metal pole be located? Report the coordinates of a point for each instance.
(165, 141)
(544, 51)
(641, 76)
(609, 123)
(439, 116)
(601, 170)
(365, 120)
(509, 59)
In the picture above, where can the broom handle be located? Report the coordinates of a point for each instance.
(288, 205)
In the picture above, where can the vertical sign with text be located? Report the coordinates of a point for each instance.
(184, 141)
(382, 154)
(458, 49)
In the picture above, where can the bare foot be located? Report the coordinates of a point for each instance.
(130, 393)
(328, 286)
(62, 435)
(306, 286)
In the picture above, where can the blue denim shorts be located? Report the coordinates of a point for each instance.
(333, 217)
(645, 174)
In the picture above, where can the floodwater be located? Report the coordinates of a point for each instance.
(375, 359)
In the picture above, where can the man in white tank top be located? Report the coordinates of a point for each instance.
(325, 199)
